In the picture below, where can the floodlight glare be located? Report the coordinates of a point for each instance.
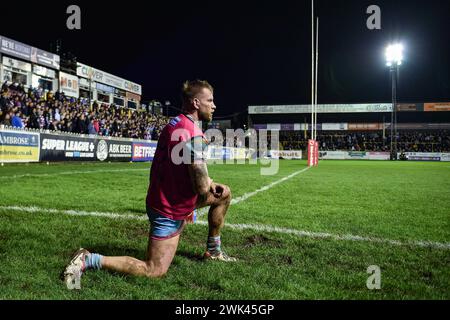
(394, 54)
(394, 58)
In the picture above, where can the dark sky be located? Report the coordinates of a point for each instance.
(252, 52)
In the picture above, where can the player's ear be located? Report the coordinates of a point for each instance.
(196, 103)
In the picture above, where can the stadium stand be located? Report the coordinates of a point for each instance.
(36, 109)
(421, 127)
(408, 141)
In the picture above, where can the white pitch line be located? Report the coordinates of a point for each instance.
(254, 227)
(69, 173)
(265, 188)
(204, 211)
(110, 215)
(345, 237)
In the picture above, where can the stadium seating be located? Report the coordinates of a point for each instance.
(408, 141)
(55, 112)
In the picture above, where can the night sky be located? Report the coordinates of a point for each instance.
(252, 52)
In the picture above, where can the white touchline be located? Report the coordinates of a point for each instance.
(255, 227)
(203, 211)
(69, 173)
(110, 215)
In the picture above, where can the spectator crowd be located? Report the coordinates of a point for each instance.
(36, 109)
(407, 141)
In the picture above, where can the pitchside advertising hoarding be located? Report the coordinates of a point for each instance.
(18, 146)
(228, 153)
(143, 151)
(353, 155)
(76, 148)
(286, 154)
(427, 156)
(23, 146)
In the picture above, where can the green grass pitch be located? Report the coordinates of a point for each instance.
(311, 236)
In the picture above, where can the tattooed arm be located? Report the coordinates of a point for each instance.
(201, 182)
(198, 171)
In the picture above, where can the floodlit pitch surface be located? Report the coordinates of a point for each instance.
(311, 236)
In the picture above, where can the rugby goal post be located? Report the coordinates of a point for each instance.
(313, 145)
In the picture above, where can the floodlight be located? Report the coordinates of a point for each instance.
(394, 54)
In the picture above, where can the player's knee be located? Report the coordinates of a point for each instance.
(227, 194)
(156, 273)
(153, 271)
(159, 273)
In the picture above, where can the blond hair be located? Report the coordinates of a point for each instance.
(191, 89)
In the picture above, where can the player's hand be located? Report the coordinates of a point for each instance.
(217, 190)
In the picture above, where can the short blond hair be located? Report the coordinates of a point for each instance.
(192, 88)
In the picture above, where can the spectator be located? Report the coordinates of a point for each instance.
(7, 120)
(81, 124)
(91, 128)
(54, 126)
(411, 141)
(57, 116)
(16, 120)
(3, 102)
(34, 119)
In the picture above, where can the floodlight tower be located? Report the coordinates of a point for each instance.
(394, 58)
